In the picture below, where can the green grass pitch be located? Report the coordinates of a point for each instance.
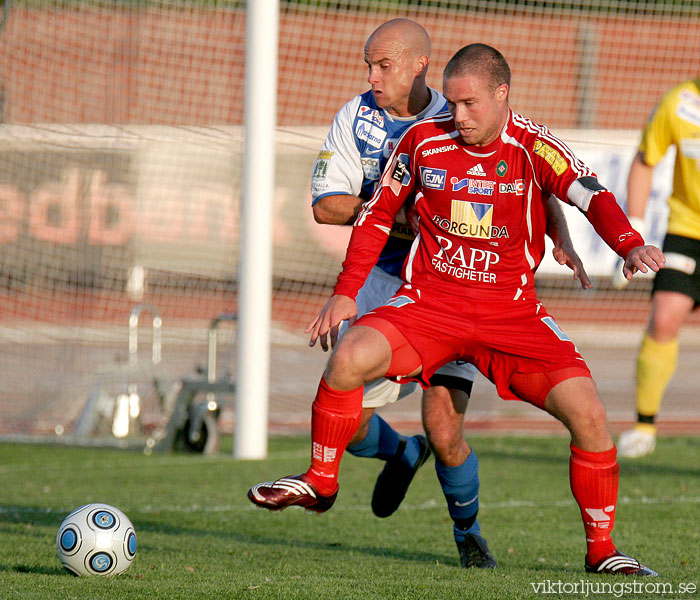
(199, 537)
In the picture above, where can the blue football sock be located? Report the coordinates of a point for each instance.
(411, 453)
(461, 488)
(380, 442)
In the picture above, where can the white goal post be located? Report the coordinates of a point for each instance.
(255, 273)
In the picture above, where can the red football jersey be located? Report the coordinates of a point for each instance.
(482, 209)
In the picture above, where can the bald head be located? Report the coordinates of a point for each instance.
(403, 35)
(397, 55)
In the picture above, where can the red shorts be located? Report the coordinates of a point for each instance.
(514, 343)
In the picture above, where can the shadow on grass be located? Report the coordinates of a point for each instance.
(645, 466)
(31, 515)
(36, 570)
(287, 541)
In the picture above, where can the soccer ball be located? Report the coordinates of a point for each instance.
(96, 539)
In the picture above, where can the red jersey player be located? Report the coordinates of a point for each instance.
(480, 176)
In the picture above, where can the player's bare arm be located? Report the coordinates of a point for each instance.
(337, 209)
(338, 309)
(638, 188)
(563, 251)
(643, 258)
(342, 209)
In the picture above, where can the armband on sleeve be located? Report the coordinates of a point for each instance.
(582, 190)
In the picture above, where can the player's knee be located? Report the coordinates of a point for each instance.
(592, 414)
(664, 327)
(588, 422)
(577, 404)
(669, 311)
(342, 369)
(354, 362)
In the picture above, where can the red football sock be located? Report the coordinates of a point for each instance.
(336, 416)
(594, 478)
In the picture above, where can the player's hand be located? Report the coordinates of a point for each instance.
(643, 258)
(401, 217)
(566, 255)
(328, 319)
(619, 280)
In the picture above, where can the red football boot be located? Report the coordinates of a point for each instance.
(294, 490)
(620, 564)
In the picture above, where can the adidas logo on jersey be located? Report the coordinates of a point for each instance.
(477, 170)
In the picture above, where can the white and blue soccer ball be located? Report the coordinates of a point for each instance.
(96, 539)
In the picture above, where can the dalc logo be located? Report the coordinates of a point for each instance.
(502, 168)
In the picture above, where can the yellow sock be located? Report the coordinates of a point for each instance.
(656, 364)
(646, 428)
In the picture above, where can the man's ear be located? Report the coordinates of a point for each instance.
(502, 92)
(420, 65)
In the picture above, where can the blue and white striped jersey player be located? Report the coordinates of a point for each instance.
(350, 164)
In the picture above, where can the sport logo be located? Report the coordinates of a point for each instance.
(552, 324)
(433, 179)
(468, 502)
(371, 115)
(691, 97)
(101, 562)
(397, 174)
(474, 186)
(399, 301)
(373, 135)
(556, 160)
(370, 168)
(464, 262)
(466, 229)
(103, 519)
(399, 171)
(471, 219)
(438, 150)
(600, 517)
(477, 170)
(517, 187)
(321, 164)
(624, 236)
(458, 184)
(688, 111)
(323, 453)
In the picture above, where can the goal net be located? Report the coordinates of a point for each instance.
(121, 148)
